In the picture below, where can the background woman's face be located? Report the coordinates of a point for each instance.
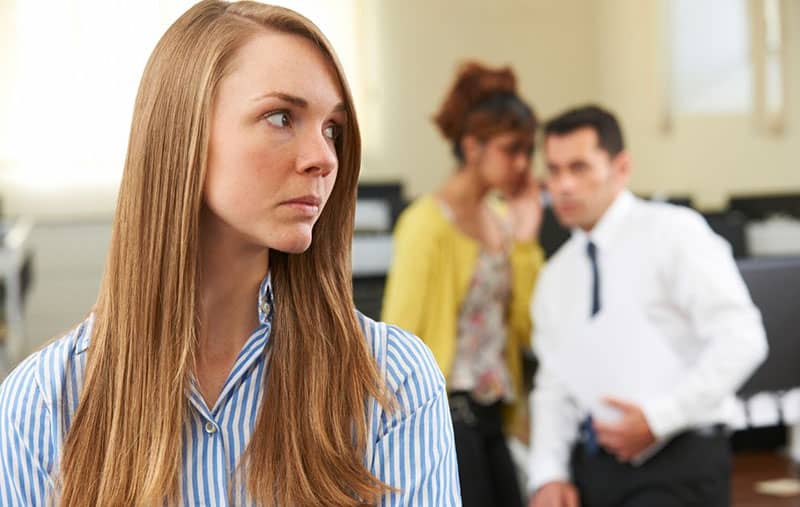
(505, 160)
(272, 160)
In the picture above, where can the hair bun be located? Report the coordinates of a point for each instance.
(474, 82)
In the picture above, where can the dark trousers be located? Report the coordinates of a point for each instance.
(692, 470)
(485, 469)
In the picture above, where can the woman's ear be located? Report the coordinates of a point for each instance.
(471, 147)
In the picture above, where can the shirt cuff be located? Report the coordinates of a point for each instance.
(665, 417)
(540, 474)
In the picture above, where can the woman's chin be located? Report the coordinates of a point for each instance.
(292, 243)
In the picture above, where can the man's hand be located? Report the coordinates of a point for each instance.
(555, 494)
(628, 437)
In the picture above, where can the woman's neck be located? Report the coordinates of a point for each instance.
(232, 270)
(464, 194)
(464, 190)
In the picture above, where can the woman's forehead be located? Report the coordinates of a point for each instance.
(514, 136)
(273, 61)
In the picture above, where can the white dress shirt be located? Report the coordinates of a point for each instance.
(687, 285)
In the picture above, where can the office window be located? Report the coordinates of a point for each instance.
(711, 69)
(74, 71)
(769, 55)
(773, 41)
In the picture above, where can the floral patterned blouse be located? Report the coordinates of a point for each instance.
(480, 365)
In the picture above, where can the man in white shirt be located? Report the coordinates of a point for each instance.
(631, 260)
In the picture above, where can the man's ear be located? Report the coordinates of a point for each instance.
(621, 164)
(471, 147)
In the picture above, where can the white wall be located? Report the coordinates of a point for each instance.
(420, 43)
(708, 157)
(7, 61)
(567, 53)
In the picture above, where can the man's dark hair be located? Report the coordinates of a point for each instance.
(609, 134)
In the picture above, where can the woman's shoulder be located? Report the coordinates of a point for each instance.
(421, 206)
(43, 375)
(424, 213)
(403, 358)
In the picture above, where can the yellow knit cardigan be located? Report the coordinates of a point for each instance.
(432, 267)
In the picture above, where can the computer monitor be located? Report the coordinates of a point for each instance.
(760, 207)
(774, 285)
(730, 225)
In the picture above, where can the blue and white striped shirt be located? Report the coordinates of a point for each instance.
(411, 449)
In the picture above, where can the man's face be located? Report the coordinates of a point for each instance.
(583, 180)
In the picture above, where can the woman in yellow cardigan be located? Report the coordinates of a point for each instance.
(464, 267)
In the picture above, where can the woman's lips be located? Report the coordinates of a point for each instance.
(308, 205)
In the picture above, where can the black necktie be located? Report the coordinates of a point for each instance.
(588, 434)
(591, 249)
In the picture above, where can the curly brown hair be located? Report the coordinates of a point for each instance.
(483, 102)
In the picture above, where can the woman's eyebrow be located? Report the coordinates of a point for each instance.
(295, 100)
(292, 99)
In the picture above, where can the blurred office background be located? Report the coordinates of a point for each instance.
(708, 92)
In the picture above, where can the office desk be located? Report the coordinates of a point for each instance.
(752, 467)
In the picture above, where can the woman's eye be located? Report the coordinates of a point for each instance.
(332, 132)
(278, 118)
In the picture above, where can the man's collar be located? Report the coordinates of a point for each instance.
(604, 230)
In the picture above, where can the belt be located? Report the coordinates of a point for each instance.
(712, 430)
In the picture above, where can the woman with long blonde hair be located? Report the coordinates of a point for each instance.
(224, 362)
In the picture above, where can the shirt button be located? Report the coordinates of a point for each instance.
(211, 428)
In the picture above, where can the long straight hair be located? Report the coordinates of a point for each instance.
(124, 445)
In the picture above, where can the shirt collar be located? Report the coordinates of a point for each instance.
(604, 230)
(84, 334)
(265, 302)
(265, 313)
